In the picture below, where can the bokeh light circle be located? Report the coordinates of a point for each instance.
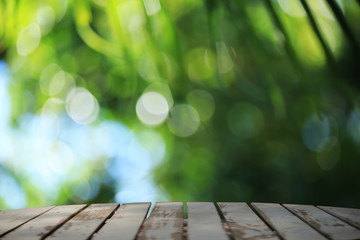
(184, 120)
(46, 19)
(28, 40)
(203, 102)
(152, 108)
(82, 106)
(317, 132)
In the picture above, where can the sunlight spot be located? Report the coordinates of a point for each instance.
(60, 158)
(184, 120)
(17, 63)
(82, 106)
(28, 40)
(112, 138)
(51, 151)
(47, 126)
(7, 143)
(67, 87)
(53, 105)
(152, 6)
(43, 179)
(60, 6)
(308, 47)
(152, 108)
(332, 35)
(163, 89)
(145, 191)
(46, 19)
(154, 144)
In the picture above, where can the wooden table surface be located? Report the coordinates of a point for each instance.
(175, 220)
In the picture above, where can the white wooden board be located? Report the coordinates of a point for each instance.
(126, 222)
(244, 223)
(204, 222)
(349, 215)
(84, 224)
(165, 222)
(11, 219)
(44, 223)
(285, 223)
(324, 222)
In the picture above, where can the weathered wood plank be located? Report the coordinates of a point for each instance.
(324, 222)
(285, 223)
(244, 223)
(84, 224)
(349, 215)
(11, 219)
(165, 222)
(126, 222)
(204, 222)
(44, 223)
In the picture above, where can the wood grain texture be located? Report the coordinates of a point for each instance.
(165, 222)
(84, 224)
(43, 224)
(11, 219)
(324, 222)
(204, 222)
(244, 223)
(349, 215)
(126, 222)
(285, 223)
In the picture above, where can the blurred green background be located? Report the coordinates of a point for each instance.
(179, 100)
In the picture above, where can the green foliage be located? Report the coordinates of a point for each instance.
(227, 100)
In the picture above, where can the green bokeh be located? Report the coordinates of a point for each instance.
(261, 104)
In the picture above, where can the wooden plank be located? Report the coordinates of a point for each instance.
(165, 222)
(126, 222)
(349, 215)
(244, 223)
(84, 224)
(204, 222)
(11, 219)
(45, 223)
(285, 223)
(324, 222)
